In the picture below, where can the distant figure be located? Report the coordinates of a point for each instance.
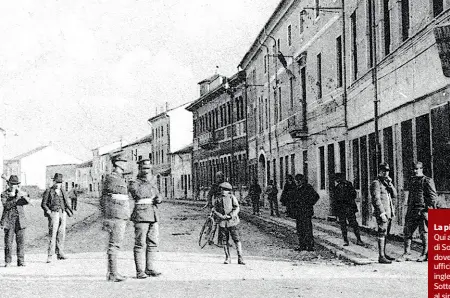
(345, 206)
(288, 196)
(14, 220)
(145, 217)
(383, 192)
(422, 196)
(305, 199)
(255, 194)
(226, 210)
(56, 207)
(115, 207)
(214, 192)
(73, 195)
(272, 196)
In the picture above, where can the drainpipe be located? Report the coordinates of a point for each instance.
(375, 86)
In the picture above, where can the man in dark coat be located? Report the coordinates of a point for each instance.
(288, 195)
(14, 220)
(145, 217)
(345, 206)
(215, 192)
(422, 196)
(255, 194)
(383, 192)
(305, 199)
(272, 196)
(55, 204)
(115, 207)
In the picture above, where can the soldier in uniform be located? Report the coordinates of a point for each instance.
(422, 196)
(14, 220)
(383, 192)
(145, 217)
(214, 192)
(345, 206)
(55, 204)
(115, 207)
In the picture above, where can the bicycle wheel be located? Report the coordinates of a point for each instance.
(205, 232)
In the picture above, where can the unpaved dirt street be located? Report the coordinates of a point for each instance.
(273, 268)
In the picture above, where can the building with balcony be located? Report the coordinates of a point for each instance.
(171, 131)
(220, 133)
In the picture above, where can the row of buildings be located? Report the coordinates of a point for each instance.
(326, 86)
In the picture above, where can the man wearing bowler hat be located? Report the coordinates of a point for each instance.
(14, 220)
(56, 206)
(145, 217)
(115, 207)
(383, 192)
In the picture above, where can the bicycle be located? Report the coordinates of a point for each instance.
(208, 231)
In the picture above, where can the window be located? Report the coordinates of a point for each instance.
(319, 76)
(423, 143)
(286, 165)
(355, 155)
(292, 164)
(354, 46)
(289, 35)
(387, 27)
(301, 23)
(274, 166)
(291, 91)
(440, 121)
(267, 114)
(73, 184)
(305, 164)
(339, 61)
(279, 104)
(90, 187)
(316, 10)
(322, 166)
(369, 32)
(438, 7)
(268, 170)
(229, 113)
(275, 118)
(342, 157)
(405, 19)
(67, 186)
(162, 131)
(281, 171)
(265, 63)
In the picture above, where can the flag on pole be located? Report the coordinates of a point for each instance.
(284, 63)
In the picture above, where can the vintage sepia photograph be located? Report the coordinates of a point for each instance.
(240, 148)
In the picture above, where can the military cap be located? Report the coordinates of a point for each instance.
(226, 185)
(384, 166)
(58, 178)
(144, 164)
(117, 156)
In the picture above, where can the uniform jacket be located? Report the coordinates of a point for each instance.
(227, 205)
(112, 208)
(345, 195)
(140, 190)
(383, 192)
(13, 207)
(422, 194)
(305, 199)
(254, 191)
(50, 201)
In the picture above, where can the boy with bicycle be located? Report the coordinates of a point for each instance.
(226, 210)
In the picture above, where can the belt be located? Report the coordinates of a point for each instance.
(119, 197)
(145, 201)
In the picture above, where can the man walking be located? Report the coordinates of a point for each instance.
(115, 207)
(422, 196)
(14, 220)
(383, 192)
(345, 207)
(73, 195)
(272, 196)
(255, 193)
(145, 217)
(305, 199)
(56, 208)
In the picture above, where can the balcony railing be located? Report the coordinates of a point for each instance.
(297, 129)
(207, 140)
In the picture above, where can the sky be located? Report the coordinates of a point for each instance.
(82, 74)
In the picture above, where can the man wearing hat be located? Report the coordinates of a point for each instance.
(345, 207)
(214, 192)
(14, 220)
(226, 210)
(115, 207)
(383, 192)
(145, 217)
(56, 205)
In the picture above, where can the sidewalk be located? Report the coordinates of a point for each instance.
(328, 235)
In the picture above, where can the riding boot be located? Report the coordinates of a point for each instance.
(358, 236)
(226, 249)
(150, 263)
(385, 254)
(381, 257)
(239, 253)
(139, 262)
(406, 256)
(424, 256)
(112, 274)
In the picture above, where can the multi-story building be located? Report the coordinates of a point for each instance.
(84, 178)
(171, 131)
(69, 175)
(101, 164)
(220, 133)
(181, 169)
(346, 86)
(135, 151)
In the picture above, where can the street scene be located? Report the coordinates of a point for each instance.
(279, 148)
